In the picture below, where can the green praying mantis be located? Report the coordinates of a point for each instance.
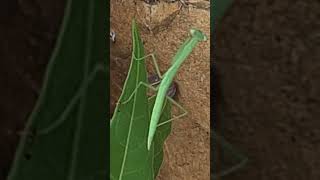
(166, 80)
(162, 96)
(182, 54)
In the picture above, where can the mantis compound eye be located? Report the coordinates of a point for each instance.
(198, 34)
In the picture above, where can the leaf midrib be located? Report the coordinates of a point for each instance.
(134, 99)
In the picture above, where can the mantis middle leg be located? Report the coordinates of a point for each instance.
(184, 111)
(155, 63)
(154, 60)
(156, 66)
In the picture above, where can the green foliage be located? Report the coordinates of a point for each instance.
(66, 133)
(229, 159)
(130, 159)
(226, 159)
(218, 8)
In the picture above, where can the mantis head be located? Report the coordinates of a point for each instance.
(198, 35)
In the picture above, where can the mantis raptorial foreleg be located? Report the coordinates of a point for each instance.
(185, 112)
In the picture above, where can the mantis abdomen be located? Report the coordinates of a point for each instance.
(157, 108)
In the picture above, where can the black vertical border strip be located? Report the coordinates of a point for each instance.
(213, 111)
(106, 37)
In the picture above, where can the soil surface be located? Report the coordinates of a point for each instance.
(267, 59)
(163, 28)
(28, 29)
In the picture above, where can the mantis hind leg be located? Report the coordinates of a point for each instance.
(184, 111)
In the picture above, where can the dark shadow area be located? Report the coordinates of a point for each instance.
(267, 55)
(226, 158)
(28, 30)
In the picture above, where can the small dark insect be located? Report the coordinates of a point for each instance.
(113, 36)
(172, 90)
(155, 79)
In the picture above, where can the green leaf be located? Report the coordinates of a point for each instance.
(130, 159)
(66, 133)
(218, 8)
(227, 159)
